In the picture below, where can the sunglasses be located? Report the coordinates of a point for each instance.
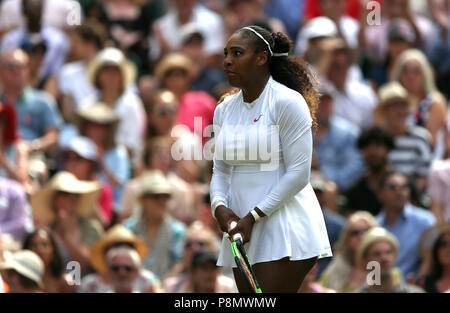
(444, 243)
(14, 65)
(166, 111)
(393, 187)
(357, 232)
(190, 244)
(127, 268)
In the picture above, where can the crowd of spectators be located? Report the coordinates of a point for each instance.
(106, 109)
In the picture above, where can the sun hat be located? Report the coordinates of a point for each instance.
(112, 57)
(401, 29)
(84, 147)
(320, 27)
(174, 61)
(115, 235)
(98, 113)
(373, 235)
(430, 236)
(41, 201)
(26, 263)
(190, 29)
(390, 92)
(154, 182)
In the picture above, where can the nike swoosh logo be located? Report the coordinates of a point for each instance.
(257, 119)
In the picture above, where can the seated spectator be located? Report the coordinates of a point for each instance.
(373, 37)
(35, 47)
(192, 45)
(162, 233)
(23, 272)
(99, 124)
(122, 275)
(401, 37)
(157, 156)
(37, 114)
(428, 106)
(334, 222)
(42, 242)
(198, 237)
(246, 12)
(86, 41)
(204, 276)
(438, 253)
(335, 143)
(107, 279)
(375, 145)
(114, 77)
(438, 186)
(55, 39)
(354, 100)
(176, 72)
(13, 211)
(412, 153)
(65, 205)
(81, 159)
(161, 113)
(166, 29)
(404, 220)
(343, 274)
(378, 245)
(309, 284)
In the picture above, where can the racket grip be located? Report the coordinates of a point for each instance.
(237, 236)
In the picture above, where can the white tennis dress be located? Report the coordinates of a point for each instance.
(262, 158)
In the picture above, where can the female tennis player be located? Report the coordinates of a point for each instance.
(275, 207)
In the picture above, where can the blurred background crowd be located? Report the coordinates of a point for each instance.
(97, 97)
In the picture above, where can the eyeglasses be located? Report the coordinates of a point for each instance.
(444, 243)
(393, 187)
(127, 268)
(14, 66)
(166, 111)
(199, 243)
(357, 232)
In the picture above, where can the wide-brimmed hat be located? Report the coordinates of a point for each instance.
(112, 57)
(115, 235)
(154, 182)
(376, 234)
(26, 263)
(175, 61)
(41, 201)
(430, 236)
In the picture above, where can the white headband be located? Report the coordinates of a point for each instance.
(285, 54)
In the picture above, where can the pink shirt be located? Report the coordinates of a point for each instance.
(439, 185)
(196, 104)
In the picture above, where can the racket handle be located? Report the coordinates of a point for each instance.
(237, 236)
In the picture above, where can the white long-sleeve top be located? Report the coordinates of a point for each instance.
(262, 158)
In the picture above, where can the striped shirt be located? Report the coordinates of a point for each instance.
(412, 152)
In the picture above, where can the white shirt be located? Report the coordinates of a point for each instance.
(73, 81)
(209, 22)
(262, 158)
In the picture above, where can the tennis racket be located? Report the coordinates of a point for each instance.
(241, 259)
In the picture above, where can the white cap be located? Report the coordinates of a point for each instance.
(84, 147)
(317, 27)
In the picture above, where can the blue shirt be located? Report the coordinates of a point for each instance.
(36, 114)
(339, 158)
(408, 229)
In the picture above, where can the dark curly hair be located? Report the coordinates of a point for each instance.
(290, 71)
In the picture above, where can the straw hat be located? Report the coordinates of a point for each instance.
(115, 235)
(175, 61)
(154, 182)
(26, 263)
(112, 57)
(41, 201)
(376, 234)
(430, 236)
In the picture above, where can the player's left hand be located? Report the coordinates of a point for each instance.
(244, 227)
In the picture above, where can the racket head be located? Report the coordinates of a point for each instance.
(244, 267)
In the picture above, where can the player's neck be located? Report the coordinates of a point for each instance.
(254, 89)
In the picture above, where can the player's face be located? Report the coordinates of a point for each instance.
(240, 62)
